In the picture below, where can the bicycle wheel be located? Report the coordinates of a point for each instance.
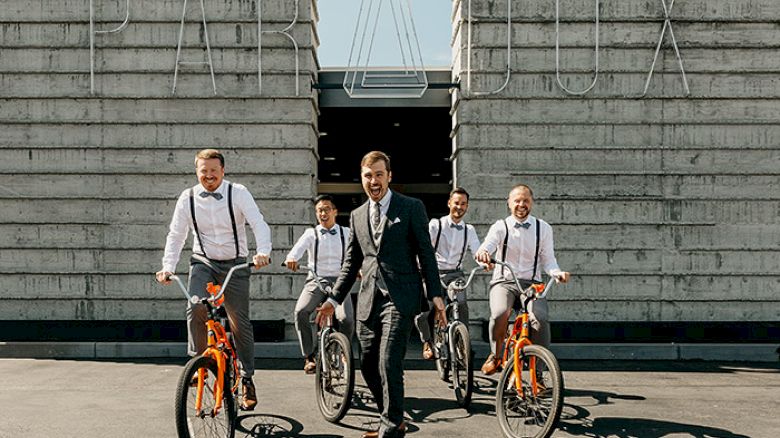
(523, 414)
(194, 423)
(442, 364)
(335, 377)
(462, 367)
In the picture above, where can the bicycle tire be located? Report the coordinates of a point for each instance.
(527, 415)
(335, 381)
(462, 366)
(192, 424)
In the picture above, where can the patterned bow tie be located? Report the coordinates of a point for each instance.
(524, 225)
(457, 226)
(331, 231)
(216, 195)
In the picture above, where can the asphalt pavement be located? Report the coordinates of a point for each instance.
(87, 398)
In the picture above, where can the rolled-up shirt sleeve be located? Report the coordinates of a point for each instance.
(303, 244)
(256, 221)
(493, 238)
(177, 234)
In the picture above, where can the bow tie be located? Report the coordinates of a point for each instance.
(331, 231)
(457, 226)
(216, 195)
(524, 225)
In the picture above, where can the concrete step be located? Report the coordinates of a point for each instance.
(291, 350)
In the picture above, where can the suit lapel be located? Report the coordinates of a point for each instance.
(392, 214)
(364, 218)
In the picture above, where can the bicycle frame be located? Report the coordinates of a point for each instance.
(520, 335)
(219, 346)
(453, 289)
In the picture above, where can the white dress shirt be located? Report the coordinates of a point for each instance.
(449, 251)
(329, 253)
(216, 231)
(520, 248)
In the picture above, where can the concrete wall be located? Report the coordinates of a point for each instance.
(90, 181)
(665, 208)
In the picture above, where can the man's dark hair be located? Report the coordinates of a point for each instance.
(324, 197)
(459, 191)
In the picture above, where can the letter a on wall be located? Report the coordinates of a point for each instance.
(407, 80)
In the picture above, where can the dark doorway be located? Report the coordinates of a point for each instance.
(417, 139)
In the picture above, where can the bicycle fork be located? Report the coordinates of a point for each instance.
(520, 344)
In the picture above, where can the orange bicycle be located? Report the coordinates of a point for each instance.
(529, 398)
(206, 396)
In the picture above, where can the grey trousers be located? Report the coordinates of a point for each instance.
(502, 297)
(311, 297)
(423, 320)
(236, 305)
(383, 338)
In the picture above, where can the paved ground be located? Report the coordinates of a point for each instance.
(67, 398)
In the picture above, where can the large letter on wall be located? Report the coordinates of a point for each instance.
(558, 51)
(667, 24)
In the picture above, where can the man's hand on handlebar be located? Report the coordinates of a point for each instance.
(291, 265)
(562, 277)
(261, 260)
(484, 259)
(163, 277)
(324, 313)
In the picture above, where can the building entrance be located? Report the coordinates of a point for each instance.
(415, 133)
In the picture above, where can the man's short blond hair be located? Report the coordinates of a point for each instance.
(208, 154)
(372, 157)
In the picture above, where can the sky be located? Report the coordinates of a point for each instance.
(338, 19)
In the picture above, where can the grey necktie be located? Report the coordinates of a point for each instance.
(375, 218)
(216, 195)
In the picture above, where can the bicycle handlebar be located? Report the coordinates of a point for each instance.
(458, 285)
(316, 276)
(530, 289)
(194, 298)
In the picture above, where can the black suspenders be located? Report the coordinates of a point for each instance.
(232, 219)
(465, 242)
(317, 245)
(536, 250)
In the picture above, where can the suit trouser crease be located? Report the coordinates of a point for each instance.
(236, 306)
(423, 320)
(311, 297)
(502, 298)
(383, 339)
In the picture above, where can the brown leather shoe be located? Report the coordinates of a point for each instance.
(401, 432)
(491, 365)
(309, 366)
(427, 351)
(249, 396)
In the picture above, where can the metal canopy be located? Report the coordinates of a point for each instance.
(333, 94)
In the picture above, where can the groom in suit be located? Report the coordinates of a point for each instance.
(389, 234)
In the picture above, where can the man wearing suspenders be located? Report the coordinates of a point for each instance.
(525, 243)
(217, 211)
(326, 244)
(450, 237)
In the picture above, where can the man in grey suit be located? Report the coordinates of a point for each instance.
(389, 235)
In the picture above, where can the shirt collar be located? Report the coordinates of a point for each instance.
(320, 227)
(384, 202)
(448, 220)
(513, 220)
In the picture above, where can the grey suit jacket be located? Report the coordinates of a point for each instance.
(404, 241)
